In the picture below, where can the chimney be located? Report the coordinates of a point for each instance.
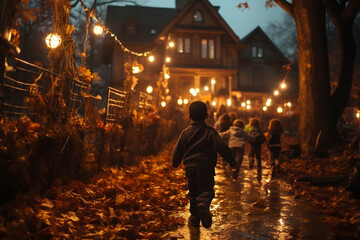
(180, 3)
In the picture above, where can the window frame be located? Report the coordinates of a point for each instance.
(198, 13)
(183, 44)
(210, 50)
(256, 50)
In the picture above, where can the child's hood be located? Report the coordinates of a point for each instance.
(236, 131)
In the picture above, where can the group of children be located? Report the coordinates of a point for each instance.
(198, 146)
(238, 134)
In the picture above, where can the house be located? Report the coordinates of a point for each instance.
(262, 69)
(207, 61)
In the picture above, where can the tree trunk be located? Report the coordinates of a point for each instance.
(7, 19)
(314, 93)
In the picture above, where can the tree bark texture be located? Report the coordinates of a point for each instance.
(7, 19)
(314, 93)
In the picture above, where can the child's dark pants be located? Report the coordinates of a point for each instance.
(255, 150)
(201, 187)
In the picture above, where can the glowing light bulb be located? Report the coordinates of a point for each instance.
(265, 108)
(213, 103)
(52, 40)
(276, 92)
(186, 101)
(197, 90)
(288, 104)
(163, 104)
(243, 104)
(180, 101)
(283, 85)
(213, 81)
(151, 58)
(358, 115)
(248, 107)
(248, 102)
(228, 102)
(98, 30)
(206, 88)
(168, 59)
(149, 89)
(167, 76)
(279, 109)
(171, 44)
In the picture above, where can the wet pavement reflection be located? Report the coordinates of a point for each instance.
(250, 209)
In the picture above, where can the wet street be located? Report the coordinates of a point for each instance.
(248, 209)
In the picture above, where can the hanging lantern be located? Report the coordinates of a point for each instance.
(52, 40)
(98, 30)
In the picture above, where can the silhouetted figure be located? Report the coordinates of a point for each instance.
(274, 145)
(197, 148)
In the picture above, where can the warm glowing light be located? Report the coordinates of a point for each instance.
(276, 92)
(281, 221)
(98, 30)
(167, 76)
(171, 44)
(265, 108)
(52, 40)
(358, 115)
(283, 85)
(168, 59)
(213, 81)
(268, 104)
(197, 90)
(248, 107)
(268, 100)
(192, 90)
(228, 102)
(288, 104)
(248, 102)
(163, 104)
(186, 101)
(151, 58)
(149, 89)
(279, 110)
(135, 69)
(243, 104)
(206, 88)
(167, 91)
(180, 101)
(213, 103)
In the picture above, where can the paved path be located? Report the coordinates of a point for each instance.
(249, 209)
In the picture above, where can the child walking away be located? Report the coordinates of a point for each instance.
(237, 137)
(197, 148)
(255, 147)
(274, 145)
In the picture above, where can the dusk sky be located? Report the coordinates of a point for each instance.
(242, 21)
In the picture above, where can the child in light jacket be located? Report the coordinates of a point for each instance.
(236, 138)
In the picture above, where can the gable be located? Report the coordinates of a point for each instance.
(211, 19)
(257, 38)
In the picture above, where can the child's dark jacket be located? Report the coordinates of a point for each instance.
(198, 146)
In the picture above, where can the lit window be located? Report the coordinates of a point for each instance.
(208, 48)
(198, 16)
(257, 52)
(187, 45)
(211, 49)
(183, 45)
(203, 48)
(180, 46)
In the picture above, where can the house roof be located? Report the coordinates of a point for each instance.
(258, 31)
(211, 8)
(147, 19)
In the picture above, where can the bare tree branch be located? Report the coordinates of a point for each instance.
(285, 5)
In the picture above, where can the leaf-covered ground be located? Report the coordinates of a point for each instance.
(326, 188)
(136, 202)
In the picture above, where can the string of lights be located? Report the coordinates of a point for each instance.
(116, 39)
